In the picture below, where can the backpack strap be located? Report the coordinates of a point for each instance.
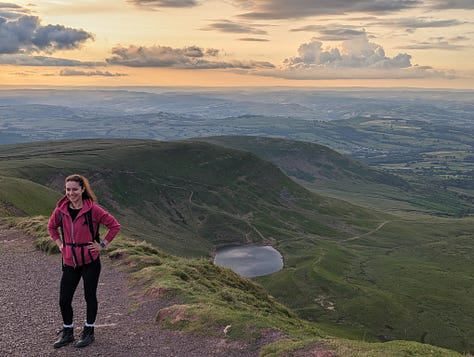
(61, 227)
(95, 234)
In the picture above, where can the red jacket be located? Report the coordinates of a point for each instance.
(78, 232)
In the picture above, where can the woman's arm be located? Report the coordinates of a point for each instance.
(60, 245)
(53, 225)
(110, 222)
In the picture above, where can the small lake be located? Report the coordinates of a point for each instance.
(250, 260)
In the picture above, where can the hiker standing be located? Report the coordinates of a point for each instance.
(78, 217)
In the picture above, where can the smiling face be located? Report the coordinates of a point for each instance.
(74, 193)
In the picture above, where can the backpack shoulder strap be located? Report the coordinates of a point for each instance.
(95, 235)
(61, 228)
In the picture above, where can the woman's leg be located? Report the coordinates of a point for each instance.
(90, 276)
(69, 281)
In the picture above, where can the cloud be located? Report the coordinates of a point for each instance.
(4, 5)
(333, 32)
(12, 11)
(233, 27)
(253, 39)
(356, 53)
(74, 72)
(57, 37)
(415, 72)
(358, 58)
(438, 43)
(452, 4)
(28, 60)
(158, 4)
(21, 33)
(413, 23)
(192, 57)
(283, 9)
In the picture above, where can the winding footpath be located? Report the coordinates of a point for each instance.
(30, 317)
(379, 227)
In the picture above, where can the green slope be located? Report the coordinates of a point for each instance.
(407, 280)
(330, 173)
(308, 161)
(362, 273)
(189, 197)
(20, 197)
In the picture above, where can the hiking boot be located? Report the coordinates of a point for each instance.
(66, 338)
(87, 337)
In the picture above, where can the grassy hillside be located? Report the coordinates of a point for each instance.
(408, 280)
(189, 197)
(359, 273)
(330, 173)
(214, 301)
(20, 197)
(307, 161)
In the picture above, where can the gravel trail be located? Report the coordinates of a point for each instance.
(30, 316)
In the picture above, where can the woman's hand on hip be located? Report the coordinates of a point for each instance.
(95, 247)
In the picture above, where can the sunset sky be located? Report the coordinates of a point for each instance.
(382, 43)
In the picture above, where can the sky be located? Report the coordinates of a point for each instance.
(307, 43)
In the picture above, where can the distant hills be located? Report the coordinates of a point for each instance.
(423, 137)
(361, 272)
(320, 104)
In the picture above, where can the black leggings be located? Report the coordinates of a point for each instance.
(69, 281)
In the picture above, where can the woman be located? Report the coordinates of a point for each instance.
(78, 218)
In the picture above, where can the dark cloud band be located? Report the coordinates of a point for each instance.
(74, 72)
(283, 9)
(20, 34)
(233, 27)
(192, 57)
(157, 4)
(453, 4)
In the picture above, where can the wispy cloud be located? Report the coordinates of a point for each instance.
(253, 39)
(233, 27)
(283, 9)
(12, 11)
(74, 72)
(158, 4)
(333, 32)
(439, 43)
(28, 60)
(192, 57)
(21, 33)
(411, 24)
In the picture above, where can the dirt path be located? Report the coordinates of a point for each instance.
(368, 233)
(30, 317)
